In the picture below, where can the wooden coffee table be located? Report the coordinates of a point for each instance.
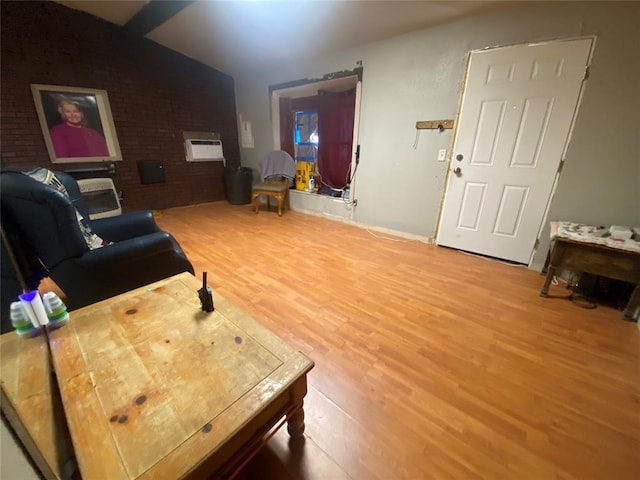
(153, 387)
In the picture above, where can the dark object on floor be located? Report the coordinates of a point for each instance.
(330, 192)
(237, 183)
(603, 290)
(42, 223)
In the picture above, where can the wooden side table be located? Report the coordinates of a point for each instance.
(599, 260)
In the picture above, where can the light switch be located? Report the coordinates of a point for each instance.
(442, 153)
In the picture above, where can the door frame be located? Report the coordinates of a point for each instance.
(308, 87)
(562, 159)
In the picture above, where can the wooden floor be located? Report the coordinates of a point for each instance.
(430, 363)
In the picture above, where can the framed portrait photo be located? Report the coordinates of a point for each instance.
(76, 123)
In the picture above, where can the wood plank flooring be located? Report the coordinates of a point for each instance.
(430, 363)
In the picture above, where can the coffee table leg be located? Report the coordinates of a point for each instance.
(557, 252)
(547, 281)
(633, 305)
(295, 424)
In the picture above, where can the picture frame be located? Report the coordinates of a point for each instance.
(76, 123)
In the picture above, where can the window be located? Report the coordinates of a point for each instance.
(305, 136)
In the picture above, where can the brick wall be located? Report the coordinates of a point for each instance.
(154, 93)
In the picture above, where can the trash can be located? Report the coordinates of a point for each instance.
(238, 182)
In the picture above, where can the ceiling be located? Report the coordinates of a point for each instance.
(237, 36)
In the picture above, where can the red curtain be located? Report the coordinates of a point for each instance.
(335, 131)
(336, 112)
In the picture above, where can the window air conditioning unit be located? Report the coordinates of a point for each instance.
(100, 197)
(199, 150)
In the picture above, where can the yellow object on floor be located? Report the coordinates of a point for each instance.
(304, 171)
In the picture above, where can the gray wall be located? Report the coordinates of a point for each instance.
(419, 76)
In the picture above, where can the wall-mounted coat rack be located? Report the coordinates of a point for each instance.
(441, 125)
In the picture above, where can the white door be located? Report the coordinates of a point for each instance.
(517, 109)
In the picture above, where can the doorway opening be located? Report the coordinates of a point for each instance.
(316, 122)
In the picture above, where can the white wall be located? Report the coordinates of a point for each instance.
(419, 76)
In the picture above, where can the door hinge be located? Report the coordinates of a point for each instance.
(537, 244)
(587, 72)
(560, 166)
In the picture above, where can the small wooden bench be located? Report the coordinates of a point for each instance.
(272, 188)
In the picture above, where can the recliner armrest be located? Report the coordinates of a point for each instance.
(129, 250)
(125, 226)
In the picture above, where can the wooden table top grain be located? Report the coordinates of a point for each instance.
(31, 404)
(153, 386)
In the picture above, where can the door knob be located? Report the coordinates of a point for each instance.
(457, 170)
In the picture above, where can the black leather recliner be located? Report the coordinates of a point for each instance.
(40, 223)
(11, 284)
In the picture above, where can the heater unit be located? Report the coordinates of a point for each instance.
(100, 197)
